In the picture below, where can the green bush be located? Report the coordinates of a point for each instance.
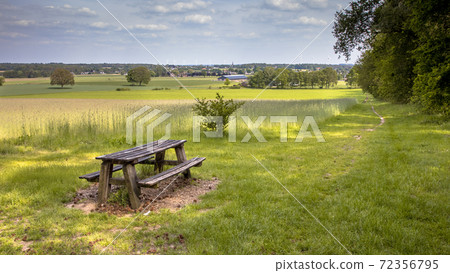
(120, 197)
(213, 108)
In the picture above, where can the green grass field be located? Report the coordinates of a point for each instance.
(104, 87)
(89, 83)
(379, 192)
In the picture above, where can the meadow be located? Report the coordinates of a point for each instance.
(86, 83)
(104, 87)
(382, 191)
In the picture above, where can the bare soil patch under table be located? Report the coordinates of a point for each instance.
(179, 193)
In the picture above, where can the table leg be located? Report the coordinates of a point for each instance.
(104, 187)
(181, 157)
(159, 161)
(129, 173)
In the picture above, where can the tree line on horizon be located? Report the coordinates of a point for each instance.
(289, 78)
(35, 70)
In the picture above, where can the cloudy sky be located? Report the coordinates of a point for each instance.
(178, 31)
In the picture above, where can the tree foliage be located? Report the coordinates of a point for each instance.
(405, 44)
(140, 75)
(353, 26)
(287, 78)
(2, 81)
(352, 78)
(62, 77)
(215, 108)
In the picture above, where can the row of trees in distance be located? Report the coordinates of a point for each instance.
(288, 78)
(62, 76)
(20, 70)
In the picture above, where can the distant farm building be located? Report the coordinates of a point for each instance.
(233, 78)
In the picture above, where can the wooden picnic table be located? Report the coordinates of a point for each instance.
(150, 153)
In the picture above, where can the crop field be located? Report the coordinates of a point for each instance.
(104, 87)
(16, 87)
(378, 190)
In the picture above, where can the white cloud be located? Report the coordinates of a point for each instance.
(151, 27)
(67, 6)
(304, 20)
(182, 6)
(161, 9)
(99, 24)
(50, 7)
(23, 23)
(12, 34)
(198, 18)
(87, 11)
(284, 4)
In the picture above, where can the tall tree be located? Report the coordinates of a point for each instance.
(2, 81)
(61, 76)
(139, 75)
(330, 76)
(405, 44)
(352, 78)
(430, 20)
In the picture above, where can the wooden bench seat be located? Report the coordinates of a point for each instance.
(151, 181)
(94, 177)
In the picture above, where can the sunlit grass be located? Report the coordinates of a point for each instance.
(386, 193)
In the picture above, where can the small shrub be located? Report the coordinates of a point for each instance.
(123, 89)
(120, 197)
(217, 107)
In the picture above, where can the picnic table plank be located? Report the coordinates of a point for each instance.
(104, 187)
(181, 157)
(94, 177)
(129, 173)
(133, 154)
(144, 152)
(159, 161)
(151, 181)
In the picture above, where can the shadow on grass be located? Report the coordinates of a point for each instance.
(59, 87)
